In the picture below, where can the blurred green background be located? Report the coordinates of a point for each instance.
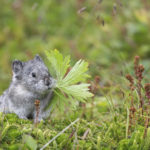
(108, 34)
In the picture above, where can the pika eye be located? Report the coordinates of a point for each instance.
(34, 75)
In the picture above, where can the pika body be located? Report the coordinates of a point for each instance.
(31, 81)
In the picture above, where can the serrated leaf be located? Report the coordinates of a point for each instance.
(80, 91)
(59, 64)
(69, 87)
(77, 73)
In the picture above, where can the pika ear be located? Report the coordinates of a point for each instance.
(38, 58)
(17, 67)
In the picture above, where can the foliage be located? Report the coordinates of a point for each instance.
(69, 85)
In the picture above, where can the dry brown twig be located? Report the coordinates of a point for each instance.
(132, 108)
(37, 108)
(147, 93)
(139, 69)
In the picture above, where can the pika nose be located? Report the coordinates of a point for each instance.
(47, 81)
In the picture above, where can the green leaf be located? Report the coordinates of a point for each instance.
(59, 64)
(69, 88)
(30, 142)
(76, 74)
(79, 91)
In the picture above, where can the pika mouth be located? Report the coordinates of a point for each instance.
(53, 84)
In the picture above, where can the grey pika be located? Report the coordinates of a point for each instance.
(31, 81)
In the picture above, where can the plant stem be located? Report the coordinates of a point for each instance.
(59, 134)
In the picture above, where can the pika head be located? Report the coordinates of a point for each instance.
(33, 75)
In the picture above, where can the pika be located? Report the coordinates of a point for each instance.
(31, 81)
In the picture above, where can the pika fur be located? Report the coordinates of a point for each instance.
(31, 81)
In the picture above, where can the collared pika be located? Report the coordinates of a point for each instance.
(31, 81)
